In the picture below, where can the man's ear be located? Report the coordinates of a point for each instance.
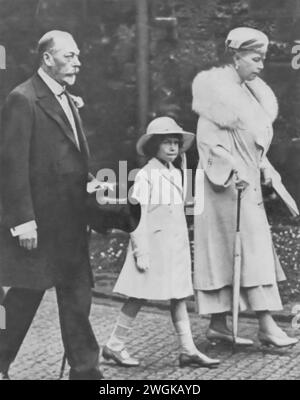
(47, 59)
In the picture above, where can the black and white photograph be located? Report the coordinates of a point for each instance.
(150, 192)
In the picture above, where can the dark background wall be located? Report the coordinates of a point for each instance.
(186, 36)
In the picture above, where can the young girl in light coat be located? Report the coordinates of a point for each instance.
(158, 263)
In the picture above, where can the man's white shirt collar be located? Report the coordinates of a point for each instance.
(54, 86)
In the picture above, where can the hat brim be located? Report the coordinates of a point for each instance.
(187, 137)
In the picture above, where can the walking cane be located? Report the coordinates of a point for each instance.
(236, 273)
(63, 366)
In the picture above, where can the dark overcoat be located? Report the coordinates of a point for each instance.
(43, 177)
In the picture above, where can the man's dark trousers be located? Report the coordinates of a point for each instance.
(74, 303)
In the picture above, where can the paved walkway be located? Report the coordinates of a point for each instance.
(154, 342)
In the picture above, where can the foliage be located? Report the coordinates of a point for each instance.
(106, 33)
(191, 39)
(108, 256)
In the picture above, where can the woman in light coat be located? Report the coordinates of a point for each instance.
(236, 110)
(158, 263)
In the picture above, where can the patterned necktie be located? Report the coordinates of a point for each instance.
(63, 92)
(65, 103)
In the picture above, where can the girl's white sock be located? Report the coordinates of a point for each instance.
(120, 332)
(183, 330)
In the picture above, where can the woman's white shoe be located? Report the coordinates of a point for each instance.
(279, 341)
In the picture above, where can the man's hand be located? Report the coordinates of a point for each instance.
(29, 240)
(95, 185)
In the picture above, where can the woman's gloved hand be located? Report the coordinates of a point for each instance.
(240, 183)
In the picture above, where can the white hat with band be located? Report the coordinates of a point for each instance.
(164, 126)
(243, 38)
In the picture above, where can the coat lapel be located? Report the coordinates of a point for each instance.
(53, 109)
(168, 174)
(80, 132)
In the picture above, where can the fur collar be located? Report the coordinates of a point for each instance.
(219, 97)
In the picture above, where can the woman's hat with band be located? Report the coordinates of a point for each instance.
(250, 39)
(164, 126)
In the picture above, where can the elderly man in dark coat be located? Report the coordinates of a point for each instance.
(43, 238)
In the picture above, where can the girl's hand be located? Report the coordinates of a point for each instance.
(142, 263)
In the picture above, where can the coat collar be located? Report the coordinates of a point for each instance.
(219, 96)
(56, 88)
(171, 174)
(47, 101)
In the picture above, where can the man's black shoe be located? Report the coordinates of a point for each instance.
(90, 375)
(4, 376)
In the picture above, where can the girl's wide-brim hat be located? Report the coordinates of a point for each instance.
(164, 126)
(243, 39)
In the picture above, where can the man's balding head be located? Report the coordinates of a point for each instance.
(58, 54)
(50, 40)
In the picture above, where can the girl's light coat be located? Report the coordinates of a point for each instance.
(161, 238)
